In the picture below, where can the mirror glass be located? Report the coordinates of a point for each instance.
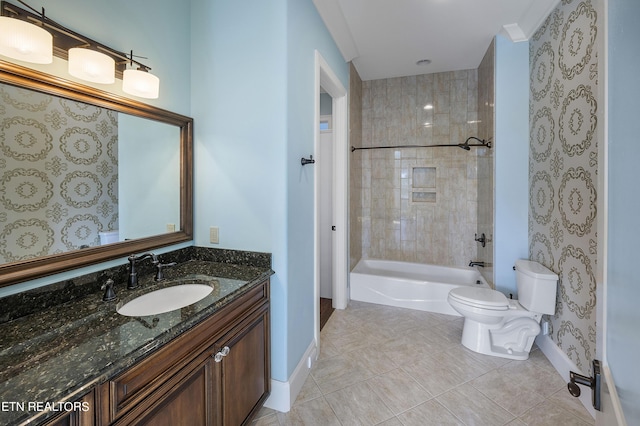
(86, 176)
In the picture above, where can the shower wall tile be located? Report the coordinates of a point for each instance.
(484, 168)
(472, 88)
(358, 191)
(442, 102)
(393, 113)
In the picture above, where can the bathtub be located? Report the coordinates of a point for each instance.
(410, 285)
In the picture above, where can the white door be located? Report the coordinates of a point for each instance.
(325, 206)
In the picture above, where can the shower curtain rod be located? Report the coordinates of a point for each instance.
(466, 145)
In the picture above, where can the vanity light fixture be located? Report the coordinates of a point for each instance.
(139, 82)
(91, 65)
(88, 59)
(25, 41)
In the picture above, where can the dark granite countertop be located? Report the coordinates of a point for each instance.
(57, 353)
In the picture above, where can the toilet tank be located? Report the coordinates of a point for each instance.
(536, 287)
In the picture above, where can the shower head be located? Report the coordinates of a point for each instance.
(467, 147)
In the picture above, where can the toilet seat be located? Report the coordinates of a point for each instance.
(483, 298)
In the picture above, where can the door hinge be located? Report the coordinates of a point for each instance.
(595, 383)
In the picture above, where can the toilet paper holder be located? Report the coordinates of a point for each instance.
(594, 382)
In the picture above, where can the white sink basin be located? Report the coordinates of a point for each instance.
(165, 300)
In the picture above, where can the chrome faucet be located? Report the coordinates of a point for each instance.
(476, 263)
(133, 274)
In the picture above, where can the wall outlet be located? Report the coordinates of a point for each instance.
(214, 237)
(171, 227)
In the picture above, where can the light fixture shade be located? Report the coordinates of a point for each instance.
(140, 83)
(25, 42)
(91, 65)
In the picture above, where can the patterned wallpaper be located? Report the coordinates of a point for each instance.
(563, 167)
(58, 174)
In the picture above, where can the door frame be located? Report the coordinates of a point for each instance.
(611, 409)
(325, 77)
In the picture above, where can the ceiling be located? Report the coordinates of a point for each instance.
(385, 38)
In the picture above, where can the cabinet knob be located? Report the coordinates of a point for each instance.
(221, 354)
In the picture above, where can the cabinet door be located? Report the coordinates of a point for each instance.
(82, 415)
(244, 372)
(189, 401)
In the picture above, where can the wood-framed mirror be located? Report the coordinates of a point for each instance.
(93, 176)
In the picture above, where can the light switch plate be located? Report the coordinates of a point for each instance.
(214, 237)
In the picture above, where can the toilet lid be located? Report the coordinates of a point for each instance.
(481, 297)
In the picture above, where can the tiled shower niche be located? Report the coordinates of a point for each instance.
(423, 186)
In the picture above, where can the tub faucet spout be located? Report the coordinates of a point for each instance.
(476, 263)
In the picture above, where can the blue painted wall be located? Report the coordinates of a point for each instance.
(623, 291)
(238, 103)
(253, 105)
(326, 106)
(306, 33)
(511, 160)
(149, 157)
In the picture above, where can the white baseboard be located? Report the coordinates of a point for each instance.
(563, 365)
(611, 408)
(284, 394)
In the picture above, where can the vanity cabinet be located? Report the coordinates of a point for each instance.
(86, 416)
(217, 373)
(240, 370)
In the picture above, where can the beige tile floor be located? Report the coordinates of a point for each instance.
(381, 365)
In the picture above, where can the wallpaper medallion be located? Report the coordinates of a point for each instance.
(58, 174)
(563, 170)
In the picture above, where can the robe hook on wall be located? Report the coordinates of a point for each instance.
(305, 161)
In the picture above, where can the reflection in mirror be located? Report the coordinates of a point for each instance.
(149, 176)
(85, 175)
(74, 175)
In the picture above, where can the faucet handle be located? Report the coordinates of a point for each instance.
(109, 294)
(160, 269)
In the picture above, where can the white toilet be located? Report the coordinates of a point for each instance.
(109, 237)
(495, 325)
